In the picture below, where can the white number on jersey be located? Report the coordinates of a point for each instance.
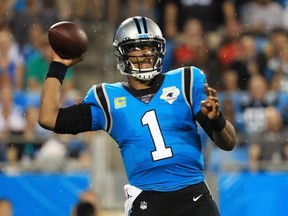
(161, 151)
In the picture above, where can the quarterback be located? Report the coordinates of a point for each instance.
(152, 116)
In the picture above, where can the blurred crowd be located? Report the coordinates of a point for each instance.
(241, 45)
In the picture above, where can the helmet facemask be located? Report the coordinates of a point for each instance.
(136, 58)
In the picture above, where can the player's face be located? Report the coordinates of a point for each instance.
(143, 56)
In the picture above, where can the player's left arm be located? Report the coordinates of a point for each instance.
(220, 130)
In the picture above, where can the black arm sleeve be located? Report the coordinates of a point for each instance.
(205, 123)
(74, 119)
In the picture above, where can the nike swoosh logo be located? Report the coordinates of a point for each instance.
(196, 198)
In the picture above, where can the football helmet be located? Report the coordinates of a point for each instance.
(136, 34)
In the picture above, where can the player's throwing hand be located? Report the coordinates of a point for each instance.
(67, 62)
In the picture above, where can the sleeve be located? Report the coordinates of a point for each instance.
(198, 90)
(98, 116)
(73, 119)
(85, 116)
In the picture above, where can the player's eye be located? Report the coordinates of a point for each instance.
(152, 49)
(135, 49)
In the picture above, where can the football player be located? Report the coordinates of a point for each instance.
(152, 116)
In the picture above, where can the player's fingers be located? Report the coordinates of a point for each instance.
(216, 107)
(82, 56)
(207, 105)
(76, 60)
(214, 103)
(54, 55)
(206, 86)
(211, 91)
(204, 110)
(214, 99)
(57, 58)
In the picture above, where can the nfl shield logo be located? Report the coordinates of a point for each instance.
(143, 205)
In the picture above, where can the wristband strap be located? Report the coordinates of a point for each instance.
(57, 70)
(219, 123)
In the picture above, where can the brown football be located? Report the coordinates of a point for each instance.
(68, 39)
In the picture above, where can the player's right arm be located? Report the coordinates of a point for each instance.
(50, 105)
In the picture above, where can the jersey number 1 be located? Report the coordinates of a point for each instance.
(161, 151)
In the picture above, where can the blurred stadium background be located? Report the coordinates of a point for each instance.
(240, 45)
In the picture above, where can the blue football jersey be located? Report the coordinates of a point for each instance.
(158, 140)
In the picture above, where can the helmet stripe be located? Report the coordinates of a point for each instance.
(137, 25)
(144, 24)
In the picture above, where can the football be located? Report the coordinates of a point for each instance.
(68, 39)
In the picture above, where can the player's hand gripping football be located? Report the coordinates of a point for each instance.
(67, 62)
(210, 106)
